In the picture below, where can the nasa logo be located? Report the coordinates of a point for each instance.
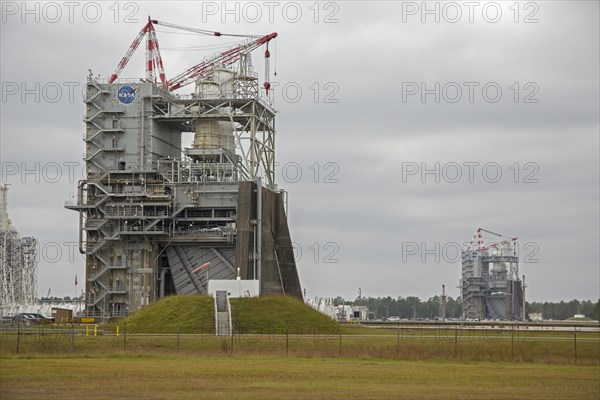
(126, 94)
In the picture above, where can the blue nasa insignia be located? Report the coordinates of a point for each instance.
(126, 94)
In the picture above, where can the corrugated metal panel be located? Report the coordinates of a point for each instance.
(183, 259)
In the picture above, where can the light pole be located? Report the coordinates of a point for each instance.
(414, 312)
(386, 311)
(359, 302)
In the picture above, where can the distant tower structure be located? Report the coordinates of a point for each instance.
(490, 284)
(152, 212)
(18, 261)
(443, 304)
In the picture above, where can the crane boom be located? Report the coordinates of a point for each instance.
(200, 31)
(479, 238)
(497, 234)
(203, 69)
(225, 58)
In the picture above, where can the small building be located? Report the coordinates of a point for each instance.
(348, 313)
(234, 288)
(62, 315)
(536, 317)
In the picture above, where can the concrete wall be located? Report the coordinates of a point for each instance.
(278, 267)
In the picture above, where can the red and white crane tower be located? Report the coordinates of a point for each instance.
(481, 246)
(154, 65)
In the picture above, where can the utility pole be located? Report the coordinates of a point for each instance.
(359, 302)
(524, 314)
(443, 313)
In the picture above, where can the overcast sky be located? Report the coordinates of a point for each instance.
(401, 130)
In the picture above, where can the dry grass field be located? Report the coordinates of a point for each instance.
(288, 351)
(260, 377)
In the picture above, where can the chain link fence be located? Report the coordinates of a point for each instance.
(512, 343)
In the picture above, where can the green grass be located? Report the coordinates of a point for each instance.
(404, 345)
(285, 349)
(195, 314)
(191, 313)
(260, 377)
(279, 314)
(285, 326)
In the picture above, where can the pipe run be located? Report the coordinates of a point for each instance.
(259, 229)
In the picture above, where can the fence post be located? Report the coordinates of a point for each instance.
(340, 330)
(178, 338)
(72, 337)
(575, 342)
(231, 350)
(124, 336)
(512, 343)
(455, 341)
(18, 337)
(398, 340)
(287, 342)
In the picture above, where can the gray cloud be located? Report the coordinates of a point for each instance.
(369, 133)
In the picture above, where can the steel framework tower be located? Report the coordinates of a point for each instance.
(151, 212)
(490, 284)
(18, 261)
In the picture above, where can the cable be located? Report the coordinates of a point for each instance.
(203, 31)
(200, 48)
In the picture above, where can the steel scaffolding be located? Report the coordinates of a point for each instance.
(151, 212)
(490, 284)
(18, 261)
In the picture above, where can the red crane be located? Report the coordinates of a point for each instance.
(203, 69)
(479, 237)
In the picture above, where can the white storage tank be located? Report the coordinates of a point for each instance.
(210, 134)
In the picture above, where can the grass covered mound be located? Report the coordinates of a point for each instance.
(192, 313)
(195, 314)
(278, 314)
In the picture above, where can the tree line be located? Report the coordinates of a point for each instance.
(413, 307)
(563, 310)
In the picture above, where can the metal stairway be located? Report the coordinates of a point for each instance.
(222, 314)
